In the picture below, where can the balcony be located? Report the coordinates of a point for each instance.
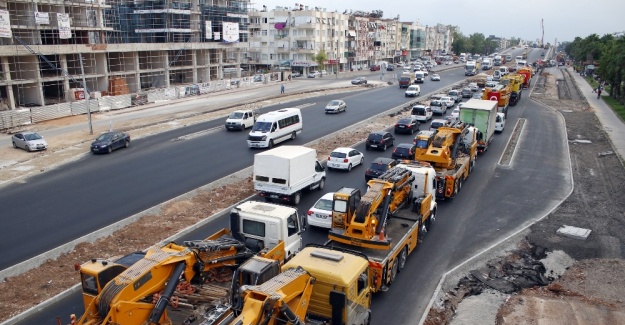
(282, 49)
(303, 50)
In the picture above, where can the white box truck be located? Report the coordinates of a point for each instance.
(282, 173)
(481, 114)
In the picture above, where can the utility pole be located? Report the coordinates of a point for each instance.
(87, 95)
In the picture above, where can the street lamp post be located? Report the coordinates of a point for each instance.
(337, 60)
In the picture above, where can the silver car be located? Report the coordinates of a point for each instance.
(29, 141)
(336, 106)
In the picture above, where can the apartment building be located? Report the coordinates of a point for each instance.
(49, 49)
(438, 39)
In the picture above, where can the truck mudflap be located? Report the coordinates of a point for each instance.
(440, 187)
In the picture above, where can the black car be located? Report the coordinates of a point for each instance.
(109, 141)
(407, 125)
(404, 151)
(390, 67)
(378, 167)
(379, 140)
(359, 80)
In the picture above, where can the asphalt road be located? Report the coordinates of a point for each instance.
(493, 203)
(97, 191)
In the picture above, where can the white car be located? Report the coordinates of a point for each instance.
(435, 77)
(413, 91)
(438, 107)
(336, 106)
(345, 158)
(29, 141)
(320, 215)
(500, 122)
(437, 123)
(491, 84)
(422, 112)
(455, 114)
(448, 101)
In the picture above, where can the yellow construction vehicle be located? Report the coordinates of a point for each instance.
(515, 82)
(451, 151)
(319, 285)
(388, 221)
(172, 275)
(365, 227)
(499, 93)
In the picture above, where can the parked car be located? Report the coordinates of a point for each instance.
(345, 158)
(323, 72)
(422, 113)
(109, 141)
(320, 214)
(378, 167)
(359, 81)
(448, 101)
(312, 75)
(435, 77)
(29, 141)
(296, 74)
(336, 106)
(375, 67)
(404, 151)
(438, 107)
(413, 91)
(408, 124)
(466, 92)
(455, 95)
(500, 122)
(379, 140)
(437, 123)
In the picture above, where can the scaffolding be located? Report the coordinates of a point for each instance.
(123, 46)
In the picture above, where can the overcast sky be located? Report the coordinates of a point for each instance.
(563, 19)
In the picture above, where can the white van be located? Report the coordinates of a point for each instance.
(419, 77)
(274, 127)
(518, 58)
(503, 71)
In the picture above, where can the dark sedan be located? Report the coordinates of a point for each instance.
(109, 141)
(404, 151)
(407, 125)
(359, 81)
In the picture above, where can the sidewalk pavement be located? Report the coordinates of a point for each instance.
(612, 124)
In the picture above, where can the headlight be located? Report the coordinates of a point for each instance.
(263, 138)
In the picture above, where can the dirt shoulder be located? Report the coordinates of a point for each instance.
(522, 287)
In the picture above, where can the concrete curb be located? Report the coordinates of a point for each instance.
(451, 272)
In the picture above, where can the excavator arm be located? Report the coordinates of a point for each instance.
(283, 297)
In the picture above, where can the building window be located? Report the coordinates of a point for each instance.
(263, 32)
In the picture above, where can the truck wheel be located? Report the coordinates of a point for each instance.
(293, 135)
(459, 183)
(296, 198)
(322, 184)
(402, 259)
(394, 272)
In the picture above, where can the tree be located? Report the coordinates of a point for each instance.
(321, 57)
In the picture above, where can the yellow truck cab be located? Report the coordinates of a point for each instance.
(342, 288)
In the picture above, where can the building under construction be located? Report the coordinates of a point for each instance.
(51, 50)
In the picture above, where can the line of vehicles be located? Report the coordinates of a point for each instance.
(257, 272)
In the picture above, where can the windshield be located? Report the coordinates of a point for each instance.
(375, 137)
(402, 151)
(436, 103)
(32, 136)
(340, 206)
(418, 111)
(324, 205)
(338, 155)
(436, 125)
(423, 144)
(379, 166)
(262, 127)
(105, 137)
(334, 103)
(236, 115)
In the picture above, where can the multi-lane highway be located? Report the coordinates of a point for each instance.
(493, 203)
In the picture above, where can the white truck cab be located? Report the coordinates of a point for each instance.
(241, 119)
(262, 225)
